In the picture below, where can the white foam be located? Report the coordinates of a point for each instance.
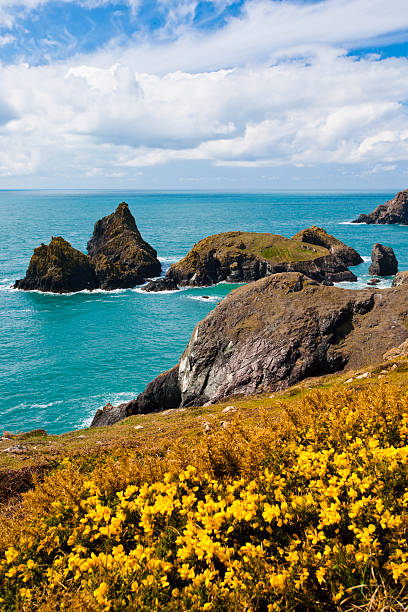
(366, 258)
(210, 298)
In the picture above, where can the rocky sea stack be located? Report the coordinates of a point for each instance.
(393, 211)
(248, 256)
(319, 236)
(384, 262)
(120, 255)
(59, 268)
(118, 258)
(274, 333)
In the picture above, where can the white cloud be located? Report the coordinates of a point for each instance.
(111, 113)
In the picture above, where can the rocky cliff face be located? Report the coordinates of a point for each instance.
(384, 262)
(248, 256)
(275, 332)
(393, 211)
(120, 255)
(319, 236)
(59, 268)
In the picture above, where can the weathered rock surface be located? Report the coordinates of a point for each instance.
(275, 332)
(384, 262)
(401, 278)
(393, 211)
(397, 352)
(59, 268)
(120, 255)
(319, 236)
(109, 415)
(161, 284)
(162, 393)
(248, 256)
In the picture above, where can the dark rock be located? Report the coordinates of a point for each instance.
(161, 284)
(120, 255)
(162, 393)
(59, 268)
(384, 262)
(319, 236)
(400, 279)
(247, 256)
(393, 211)
(374, 281)
(273, 333)
(109, 415)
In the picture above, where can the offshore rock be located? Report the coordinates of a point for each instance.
(393, 211)
(120, 255)
(319, 236)
(275, 332)
(247, 256)
(161, 284)
(59, 268)
(384, 262)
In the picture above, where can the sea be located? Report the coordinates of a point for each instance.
(64, 356)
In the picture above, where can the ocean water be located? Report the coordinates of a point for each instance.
(64, 356)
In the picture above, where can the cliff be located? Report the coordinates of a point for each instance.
(273, 333)
(393, 211)
(59, 268)
(120, 255)
(248, 256)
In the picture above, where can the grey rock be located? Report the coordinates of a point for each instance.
(109, 415)
(384, 262)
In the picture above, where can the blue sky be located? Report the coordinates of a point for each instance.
(183, 94)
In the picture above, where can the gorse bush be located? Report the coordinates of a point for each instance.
(303, 512)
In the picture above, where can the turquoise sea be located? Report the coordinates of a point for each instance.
(62, 357)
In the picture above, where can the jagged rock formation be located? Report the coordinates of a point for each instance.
(319, 236)
(120, 255)
(59, 268)
(401, 278)
(393, 211)
(118, 258)
(248, 256)
(162, 393)
(384, 262)
(275, 332)
(161, 284)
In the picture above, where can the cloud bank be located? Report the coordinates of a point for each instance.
(274, 87)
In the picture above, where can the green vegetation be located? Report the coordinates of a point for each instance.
(292, 502)
(271, 247)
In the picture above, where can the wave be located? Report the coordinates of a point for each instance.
(366, 258)
(201, 298)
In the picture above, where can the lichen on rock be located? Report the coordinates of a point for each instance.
(248, 256)
(120, 255)
(59, 268)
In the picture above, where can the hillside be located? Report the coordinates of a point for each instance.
(295, 501)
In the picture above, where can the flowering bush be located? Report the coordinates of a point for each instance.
(318, 522)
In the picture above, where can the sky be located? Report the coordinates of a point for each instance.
(189, 94)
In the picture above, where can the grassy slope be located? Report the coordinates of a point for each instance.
(155, 433)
